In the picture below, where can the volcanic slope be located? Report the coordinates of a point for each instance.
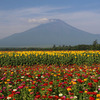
(54, 32)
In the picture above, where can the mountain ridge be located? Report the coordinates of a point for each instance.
(54, 32)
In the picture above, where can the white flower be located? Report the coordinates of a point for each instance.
(36, 77)
(9, 85)
(27, 73)
(60, 95)
(14, 89)
(42, 76)
(80, 69)
(96, 91)
(99, 86)
(22, 76)
(75, 97)
(51, 86)
(27, 79)
(74, 80)
(8, 98)
(66, 69)
(76, 77)
(14, 70)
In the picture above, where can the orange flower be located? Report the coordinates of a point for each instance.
(43, 89)
(98, 95)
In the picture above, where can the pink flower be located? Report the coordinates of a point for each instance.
(10, 90)
(20, 87)
(2, 97)
(0, 91)
(98, 77)
(71, 97)
(31, 92)
(17, 92)
(4, 88)
(3, 78)
(64, 97)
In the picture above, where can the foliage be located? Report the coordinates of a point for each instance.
(94, 46)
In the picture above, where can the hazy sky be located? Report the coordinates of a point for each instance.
(19, 15)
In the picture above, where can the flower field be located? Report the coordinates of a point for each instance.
(50, 75)
(49, 57)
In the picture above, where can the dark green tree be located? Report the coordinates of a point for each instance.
(95, 44)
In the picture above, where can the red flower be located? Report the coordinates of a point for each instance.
(80, 91)
(79, 80)
(49, 90)
(43, 89)
(71, 93)
(33, 83)
(90, 84)
(11, 95)
(67, 99)
(50, 97)
(65, 82)
(95, 80)
(94, 93)
(37, 92)
(37, 96)
(17, 76)
(91, 93)
(44, 96)
(30, 76)
(91, 98)
(13, 92)
(70, 75)
(18, 80)
(45, 84)
(39, 75)
(51, 83)
(56, 97)
(33, 87)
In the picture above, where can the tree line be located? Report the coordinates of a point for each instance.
(94, 46)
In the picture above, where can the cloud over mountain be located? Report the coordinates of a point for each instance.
(41, 20)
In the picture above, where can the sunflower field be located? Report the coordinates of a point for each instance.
(49, 57)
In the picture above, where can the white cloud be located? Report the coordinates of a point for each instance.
(84, 20)
(41, 20)
(15, 21)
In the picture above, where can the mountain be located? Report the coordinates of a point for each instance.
(54, 32)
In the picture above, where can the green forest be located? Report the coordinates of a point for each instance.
(94, 46)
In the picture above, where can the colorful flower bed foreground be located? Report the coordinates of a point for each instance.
(49, 57)
(42, 82)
